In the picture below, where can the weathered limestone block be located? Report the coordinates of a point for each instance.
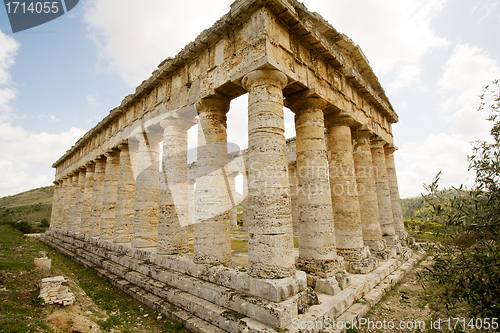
(87, 198)
(212, 243)
(110, 193)
(125, 199)
(233, 217)
(173, 215)
(316, 221)
(397, 212)
(97, 197)
(367, 192)
(55, 290)
(383, 192)
(72, 212)
(79, 199)
(147, 190)
(270, 230)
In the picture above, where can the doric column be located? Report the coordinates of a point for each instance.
(97, 196)
(367, 192)
(125, 198)
(346, 211)
(244, 203)
(397, 212)
(292, 178)
(77, 224)
(383, 192)
(270, 230)
(147, 190)
(212, 243)
(87, 198)
(233, 217)
(173, 216)
(191, 203)
(110, 193)
(317, 253)
(56, 203)
(66, 201)
(72, 212)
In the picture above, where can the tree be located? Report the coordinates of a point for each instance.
(467, 262)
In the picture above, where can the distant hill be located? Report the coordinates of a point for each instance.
(31, 206)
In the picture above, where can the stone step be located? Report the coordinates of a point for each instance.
(192, 323)
(270, 313)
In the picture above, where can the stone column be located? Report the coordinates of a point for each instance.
(125, 198)
(212, 236)
(110, 193)
(147, 190)
(367, 192)
(87, 198)
(244, 204)
(346, 212)
(66, 201)
(97, 197)
(292, 178)
(270, 230)
(72, 212)
(383, 192)
(77, 224)
(233, 217)
(56, 203)
(317, 253)
(397, 212)
(173, 216)
(191, 203)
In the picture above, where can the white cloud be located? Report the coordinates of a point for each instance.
(395, 35)
(133, 37)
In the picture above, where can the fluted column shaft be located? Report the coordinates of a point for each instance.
(173, 219)
(317, 251)
(270, 230)
(110, 193)
(397, 212)
(212, 243)
(87, 198)
(97, 197)
(244, 204)
(367, 192)
(147, 191)
(125, 198)
(66, 202)
(79, 200)
(383, 192)
(72, 212)
(233, 217)
(55, 212)
(191, 203)
(292, 178)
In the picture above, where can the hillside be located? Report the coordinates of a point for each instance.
(31, 206)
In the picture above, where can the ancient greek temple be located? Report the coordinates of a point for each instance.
(128, 205)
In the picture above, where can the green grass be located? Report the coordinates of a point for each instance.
(19, 305)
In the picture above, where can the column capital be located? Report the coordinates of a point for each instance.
(338, 118)
(305, 100)
(378, 142)
(122, 145)
(262, 76)
(113, 152)
(180, 123)
(153, 135)
(390, 148)
(213, 103)
(99, 159)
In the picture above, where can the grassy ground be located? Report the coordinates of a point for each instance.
(99, 306)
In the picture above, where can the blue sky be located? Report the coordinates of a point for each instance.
(60, 79)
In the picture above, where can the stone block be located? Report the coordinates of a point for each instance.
(328, 286)
(43, 263)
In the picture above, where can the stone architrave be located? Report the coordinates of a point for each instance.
(397, 212)
(125, 198)
(97, 197)
(346, 211)
(87, 198)
(77, 224)
(212, 243)
(292, 178)
(233, 213)
(173, 215)
(72, 212)
(54, 216)
(110, 193)
(270, 230)
(383, 192)
(367, 192)
(66, 202)
(317, 249)
(147, 190)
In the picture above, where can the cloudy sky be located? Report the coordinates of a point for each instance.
(60, 79)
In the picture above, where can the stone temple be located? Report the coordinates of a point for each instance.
(133, 219)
